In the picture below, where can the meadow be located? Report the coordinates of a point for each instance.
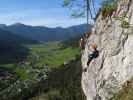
(52, 54)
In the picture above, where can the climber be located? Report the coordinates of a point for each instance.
(94, 54)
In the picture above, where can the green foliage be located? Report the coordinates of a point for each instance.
(108, 7)
(22, 73)
(77, 7)
(68, 84)
(12, 48)
(8, 66)
(51, 95)
(66, 2)
(126, 93)
(125, 24)
(76, 14)
(118, 18)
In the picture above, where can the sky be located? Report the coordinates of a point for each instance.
(48, 13)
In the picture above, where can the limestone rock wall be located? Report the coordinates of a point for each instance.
(114, 66)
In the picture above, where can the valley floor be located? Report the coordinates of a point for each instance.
(51, 70)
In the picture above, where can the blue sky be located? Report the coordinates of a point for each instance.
(37, 12)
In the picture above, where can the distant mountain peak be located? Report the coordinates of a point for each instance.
(18, 24)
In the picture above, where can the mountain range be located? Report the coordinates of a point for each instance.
(11, 46)
(14, 37)
(45, 34)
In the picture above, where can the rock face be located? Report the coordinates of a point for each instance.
(106, 74)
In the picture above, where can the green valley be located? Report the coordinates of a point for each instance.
(44, 63)
(52, 54)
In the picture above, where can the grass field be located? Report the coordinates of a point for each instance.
(52, 54)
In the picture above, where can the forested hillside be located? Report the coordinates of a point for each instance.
(45, 34)
(12, 47)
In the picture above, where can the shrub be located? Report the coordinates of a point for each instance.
(126, 93)
(108, 7)
(124, 24)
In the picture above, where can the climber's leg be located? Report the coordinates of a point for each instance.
(85, 69)
(89, 60)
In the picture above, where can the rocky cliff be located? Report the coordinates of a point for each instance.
(114, 36)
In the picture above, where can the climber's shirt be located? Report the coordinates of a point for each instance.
(93, 55)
